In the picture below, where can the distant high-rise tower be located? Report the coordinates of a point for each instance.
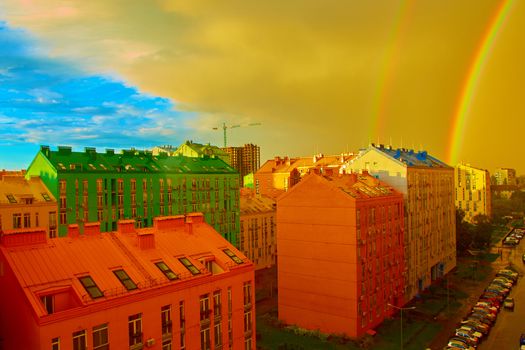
(246, 159)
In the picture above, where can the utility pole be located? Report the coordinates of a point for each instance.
(224, 127)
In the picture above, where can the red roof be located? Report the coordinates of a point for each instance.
(58, 262)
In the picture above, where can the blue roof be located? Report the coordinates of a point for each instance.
(412, 158)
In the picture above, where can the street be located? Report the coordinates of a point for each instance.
(509, 326)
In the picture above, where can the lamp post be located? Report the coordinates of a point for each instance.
(401, 312)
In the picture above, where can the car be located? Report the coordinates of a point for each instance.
(482, 309)
(487, 305)
(458, 343)
(488, 315)
(523, 258)
(508, 273)
(471, 330)
(508, 304)
(471, 339)
(501, 282)
(482, 318)
(478, 326)
(522, 339)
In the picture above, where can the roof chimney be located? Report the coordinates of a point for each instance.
(73, 231)
(189, 226)
(196, 218)
(126, 226)
(146, 240)
(22, 237)
(92, 228)
(168, 222)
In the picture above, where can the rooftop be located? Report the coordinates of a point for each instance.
(361, 185)
(410, 157)
(16, 189)
(129, 161)
(254, 204)
(286, 164)
(169, 253)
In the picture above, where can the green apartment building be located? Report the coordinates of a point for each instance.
(107, 187)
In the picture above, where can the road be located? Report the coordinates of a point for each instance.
(507, 330)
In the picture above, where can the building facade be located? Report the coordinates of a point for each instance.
(193, 149)
(257, 239)
(277, 175)
(505, 176)
(178, 285)
(27, 203)
(340, 253)
(107, 187)
(246, 159)
(427, 185)
(473, 193)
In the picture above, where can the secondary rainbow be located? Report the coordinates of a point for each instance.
(472, 79)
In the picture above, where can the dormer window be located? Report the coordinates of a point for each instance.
(187, 264)
(125, 279)
(11, 198)
(232, 256)
(46, 197)
(91, 287)
(49, 303)
(166, 271)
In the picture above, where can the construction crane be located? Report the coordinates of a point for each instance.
(224, 127)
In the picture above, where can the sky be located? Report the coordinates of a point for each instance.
(319, 76)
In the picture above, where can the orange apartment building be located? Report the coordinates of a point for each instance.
(258, 232)
(277, 175)
(177, 285)
(340, 253)
(26, 204)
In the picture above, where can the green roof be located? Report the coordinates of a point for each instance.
(131, 161)
(204, 149)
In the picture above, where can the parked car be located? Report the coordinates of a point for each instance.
(487, 305)
(484, 313)
(509, 304)
(503, 281)
(485, 310)
(508, 273)
(523, 258)
(471, 339)
(478, 326)
(460, 344)
(482, 318)
(471, 330)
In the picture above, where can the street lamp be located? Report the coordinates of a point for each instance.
(401, 312)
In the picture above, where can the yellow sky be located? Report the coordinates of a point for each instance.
(317, 74)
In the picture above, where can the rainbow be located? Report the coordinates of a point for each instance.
(472, 79)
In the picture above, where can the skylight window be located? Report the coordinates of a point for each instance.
(125, 279)
(166, 271)
(187, 264)
(11, 198)
(103, 166)
(46, 197)
(232, 256)
(91, 287)
(61, 166)
(92, 167)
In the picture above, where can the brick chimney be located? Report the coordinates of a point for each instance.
(196, 218)
(92, 228)
(21, 237)
(146, 240)
(168, 222)
(189, 225)
(73, 231)
(126, 226)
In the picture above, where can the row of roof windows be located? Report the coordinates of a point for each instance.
(94, 291)
(11, 198)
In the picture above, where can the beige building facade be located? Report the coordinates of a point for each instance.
(26, 204)
(473, 194)
(258, 229)
(427, 185)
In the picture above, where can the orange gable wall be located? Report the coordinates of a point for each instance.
(319, 271)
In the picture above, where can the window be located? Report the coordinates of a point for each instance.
(37, 222)
(165, 317)
(11, 198)
(205, 338)
(135, 329)
(63, 218)
(91, 287)
(27, 220)
(62, 186)
(217, 307)
(125, 280)
(248, 321)
(47, 199)
(100, 337)
(182, 322)
(247, 293)
(217, 333)
(166, 344)
(166, 270)
(79, 340)
(248, 344)
(49, 303)
(232, 256)
(189, 266)
(17, 220)
(204, 307)
(55, 344)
